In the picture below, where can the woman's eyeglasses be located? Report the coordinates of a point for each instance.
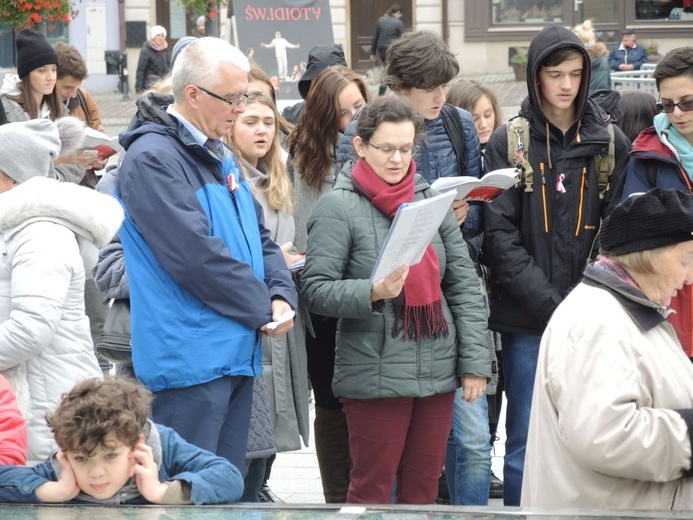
(685, 106)
(233, 103)
(386, 149)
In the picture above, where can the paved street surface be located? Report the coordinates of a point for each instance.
(295, 476)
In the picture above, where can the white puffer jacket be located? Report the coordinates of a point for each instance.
(49, 237)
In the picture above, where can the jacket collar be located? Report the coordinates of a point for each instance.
(644, 311)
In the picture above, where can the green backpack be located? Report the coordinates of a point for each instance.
(518, 155)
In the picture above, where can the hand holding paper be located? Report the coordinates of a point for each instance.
(391, 286)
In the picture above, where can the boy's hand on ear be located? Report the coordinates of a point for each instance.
(65, 489)
(147, 474)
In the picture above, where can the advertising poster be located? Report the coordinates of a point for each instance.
(278, 34)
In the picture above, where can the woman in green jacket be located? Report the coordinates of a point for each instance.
(406, 342)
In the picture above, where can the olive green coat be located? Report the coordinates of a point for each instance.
(345, 235)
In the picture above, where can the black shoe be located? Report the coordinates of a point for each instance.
(266, 495)
(443, 492)
(496, 490)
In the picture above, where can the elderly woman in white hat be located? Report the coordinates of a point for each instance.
(612, 413)
(50, 232)
(154, 62)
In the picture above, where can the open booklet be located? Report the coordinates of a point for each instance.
(412, 229)
(485, 189)
(104, 146)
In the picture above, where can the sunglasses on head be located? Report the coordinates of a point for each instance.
(685, 106)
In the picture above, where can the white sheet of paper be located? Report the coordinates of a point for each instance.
(411, 231)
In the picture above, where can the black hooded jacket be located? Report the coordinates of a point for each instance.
(537, 244)
(319, 58)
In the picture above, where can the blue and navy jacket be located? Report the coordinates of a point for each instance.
(201, 265)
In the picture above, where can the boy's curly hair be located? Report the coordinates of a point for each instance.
(95, 408)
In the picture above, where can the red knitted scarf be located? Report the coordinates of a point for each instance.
(419, 307)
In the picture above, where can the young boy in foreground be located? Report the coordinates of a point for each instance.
(110, 453)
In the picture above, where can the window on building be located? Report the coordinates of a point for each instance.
(601, 11)
(58, 32)
(527, 11)
(664, 9)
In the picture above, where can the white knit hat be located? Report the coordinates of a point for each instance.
(28, 148)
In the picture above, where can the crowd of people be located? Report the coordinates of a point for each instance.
(241, 242)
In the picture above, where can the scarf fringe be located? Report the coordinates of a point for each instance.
(423, 321)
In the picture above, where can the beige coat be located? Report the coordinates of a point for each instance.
(604, 431)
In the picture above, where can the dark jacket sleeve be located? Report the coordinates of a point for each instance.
(110, 275)
(614, 60)
(374, 41)
(166, 210)
(639, 56)
(512, 265)
(142, 66)
(474, 223)
(212, 479)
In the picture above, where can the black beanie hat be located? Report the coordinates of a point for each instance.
(33, 51)
(646, 221)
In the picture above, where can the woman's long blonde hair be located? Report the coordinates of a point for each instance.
(279, 190)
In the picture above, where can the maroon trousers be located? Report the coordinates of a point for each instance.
(402, 437)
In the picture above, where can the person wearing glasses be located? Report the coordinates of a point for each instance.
(205, 277)
(662, 156)
(406, 342)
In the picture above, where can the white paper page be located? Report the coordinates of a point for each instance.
(412, 230)
(94, 138)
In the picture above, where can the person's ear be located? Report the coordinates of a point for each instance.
(192, 94)
(359, 146)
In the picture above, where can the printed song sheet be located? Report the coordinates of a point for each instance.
(412, 230)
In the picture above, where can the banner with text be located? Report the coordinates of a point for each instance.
(278, 34)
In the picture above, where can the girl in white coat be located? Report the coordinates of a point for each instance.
(49, 237)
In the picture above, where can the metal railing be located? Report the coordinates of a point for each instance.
(636, 79)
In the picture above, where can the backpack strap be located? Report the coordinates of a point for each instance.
(83, 105)
(517, 130)
(606, 163)
(455, 130)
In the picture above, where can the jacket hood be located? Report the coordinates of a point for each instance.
(150, 107)
(90, 214)
(142, 127)
(651, 144)
(319, 58)
(10, 85)
(549, 39)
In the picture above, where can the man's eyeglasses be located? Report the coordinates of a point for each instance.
(233, 103)
(386, 149)
(685, 106)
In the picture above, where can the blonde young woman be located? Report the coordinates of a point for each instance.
(282, 392)
(30, 94)
(335, 96)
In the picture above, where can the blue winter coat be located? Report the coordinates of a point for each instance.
(202, 268)
(212, 479)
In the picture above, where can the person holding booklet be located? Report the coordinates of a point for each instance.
(407, 341)
(540, 234)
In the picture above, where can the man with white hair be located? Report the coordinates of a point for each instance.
(154, 62)
(205, 277)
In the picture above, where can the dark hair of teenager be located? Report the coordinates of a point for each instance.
(419, 59)
(466, 93)
(559, 56)
(26, 100)
(257, 74)
(71, 61)
(677, 62)
(388, 109)
(94, 408)
(639, 109)
(394, 9)
(314, 141)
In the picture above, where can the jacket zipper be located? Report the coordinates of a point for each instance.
(543, 196)
(582, 196)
